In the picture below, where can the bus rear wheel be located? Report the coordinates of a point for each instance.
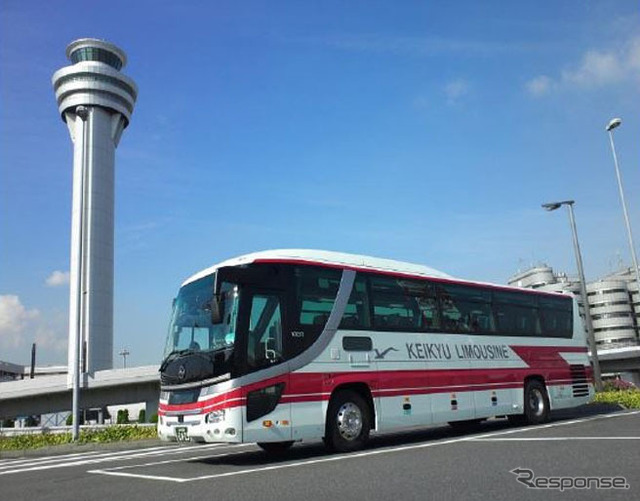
(348, 422)
(536, 405)
(275, 447)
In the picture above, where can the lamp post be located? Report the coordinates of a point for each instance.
(82, 114)
(124, 353)
(616, 122)
(583, 289)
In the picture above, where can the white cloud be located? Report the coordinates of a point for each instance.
(595, 69)
(539, 86)
(456, 89)
(21, 326)
(633, 56)
(52, 336)
(57, 279)
(14, 319)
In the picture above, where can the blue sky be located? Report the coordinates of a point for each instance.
(428, 132)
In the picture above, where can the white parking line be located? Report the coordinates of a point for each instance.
(43, 460)
(63, 457)
(545, 439)
(87, 454)
(79, 459)
(118, 471)
(559, 423)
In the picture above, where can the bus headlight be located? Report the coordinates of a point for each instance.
(214, 417)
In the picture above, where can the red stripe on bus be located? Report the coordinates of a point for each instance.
(319, 397)
(318, 386)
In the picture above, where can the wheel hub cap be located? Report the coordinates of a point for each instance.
(349, 421)
(536, 402)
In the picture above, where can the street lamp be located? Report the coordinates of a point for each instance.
(124, 353)
(583, 289)
(612, 125)
(82, 113)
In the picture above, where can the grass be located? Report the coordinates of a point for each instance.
(629, 399)
(111, 434)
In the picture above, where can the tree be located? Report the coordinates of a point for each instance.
(8, 423)
(123, 416)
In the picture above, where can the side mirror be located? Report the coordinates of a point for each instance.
(216, 309)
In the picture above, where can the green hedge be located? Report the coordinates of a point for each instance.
(110, 434)
(627, 398)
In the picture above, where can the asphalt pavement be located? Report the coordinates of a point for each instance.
(585, 453)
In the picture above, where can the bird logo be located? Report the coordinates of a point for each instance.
(382, 354)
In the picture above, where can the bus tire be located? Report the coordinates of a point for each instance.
(348, 422)
(275, 447)
(536, 402)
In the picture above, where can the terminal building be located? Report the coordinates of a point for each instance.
(614, 302)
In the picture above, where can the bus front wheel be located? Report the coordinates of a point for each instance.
(348, 422)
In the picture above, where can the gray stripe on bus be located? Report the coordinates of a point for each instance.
(325, 337)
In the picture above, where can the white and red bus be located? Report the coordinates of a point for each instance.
(291, 345)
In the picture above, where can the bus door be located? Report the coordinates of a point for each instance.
(264, 315)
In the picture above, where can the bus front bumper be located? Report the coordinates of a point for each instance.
(218, 426)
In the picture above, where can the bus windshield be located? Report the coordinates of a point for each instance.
(191, 329)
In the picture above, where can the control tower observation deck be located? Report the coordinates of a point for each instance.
(96, 101)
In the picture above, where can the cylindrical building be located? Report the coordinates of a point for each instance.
(533, 278)
(612, 312)
(95, 100)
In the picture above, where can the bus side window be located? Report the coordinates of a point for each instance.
(356, 314)
(429, 314)
(316, 292)
(466, 309)
(264, 344)
(394, 308)
(556, 317)
(516, 314)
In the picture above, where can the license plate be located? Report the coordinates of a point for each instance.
(182, 435)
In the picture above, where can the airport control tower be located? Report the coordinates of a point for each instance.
(95, 100)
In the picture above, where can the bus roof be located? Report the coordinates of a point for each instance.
(350, 261)
(325, 258)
